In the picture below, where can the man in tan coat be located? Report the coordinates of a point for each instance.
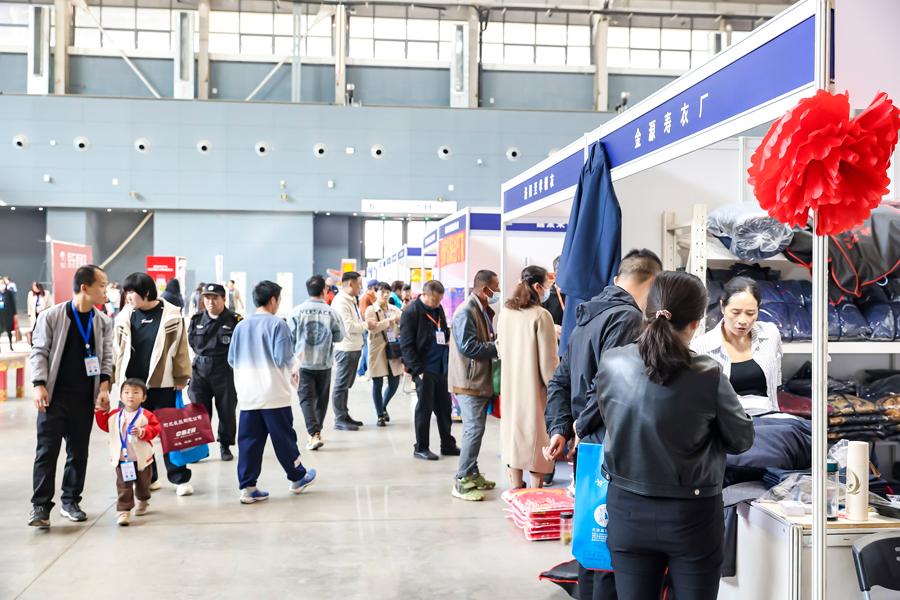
(472, 353)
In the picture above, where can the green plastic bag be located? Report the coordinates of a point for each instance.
(495, 375)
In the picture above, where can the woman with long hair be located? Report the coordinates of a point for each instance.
(39, 300)
(671, 416)
(386, 333)
(526, 342)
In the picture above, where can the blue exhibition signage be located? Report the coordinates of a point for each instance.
(430, 239)
(538, 227)
(555, 178)
(457, 224)
(780, 66)
(401, 254)
(414, 252)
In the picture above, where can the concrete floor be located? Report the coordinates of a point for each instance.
(376, 525)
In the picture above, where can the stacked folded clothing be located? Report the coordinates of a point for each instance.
(862, 419)
(536, 511)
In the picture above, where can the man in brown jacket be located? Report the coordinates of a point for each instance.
(472, 352)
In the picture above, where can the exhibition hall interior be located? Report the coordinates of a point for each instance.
(532, 299)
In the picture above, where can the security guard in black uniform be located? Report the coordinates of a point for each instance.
(209, 335)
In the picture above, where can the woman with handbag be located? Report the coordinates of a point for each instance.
(385, 357)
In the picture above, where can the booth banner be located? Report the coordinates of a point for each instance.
(161, 269)
(348, 264)
(452, 249)
(66, 260)
(415, 275)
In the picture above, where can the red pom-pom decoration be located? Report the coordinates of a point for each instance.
(816, 158)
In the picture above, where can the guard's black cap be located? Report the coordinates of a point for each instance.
(213, 289)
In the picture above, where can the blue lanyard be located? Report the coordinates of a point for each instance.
(123, 438)
(356, 306)
(490, 326)
(86, 336)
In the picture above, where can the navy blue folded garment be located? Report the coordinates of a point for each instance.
(895, 308)
(775, 476)
(777, 313)
(892, 289)
(881, 320)
(834, 322)
(801, 323)
(780, 444)
(872, 294)
(853, 324)
(769, 291)
(806, 291)
(791, 291)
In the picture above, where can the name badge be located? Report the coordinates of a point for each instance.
(128, 472)
(392, 337)
(92, 365)
(441, 338)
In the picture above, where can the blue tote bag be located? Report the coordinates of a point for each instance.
(591, 518)
(179, 458)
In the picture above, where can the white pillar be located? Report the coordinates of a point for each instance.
(600, 26)
(340, 54)
(62, 23)
(203, 51)
(297, 11)
(474, 29)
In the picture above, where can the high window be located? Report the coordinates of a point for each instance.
(537, 38)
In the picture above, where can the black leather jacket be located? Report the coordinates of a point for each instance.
(665, 440)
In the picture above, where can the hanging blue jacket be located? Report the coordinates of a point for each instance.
(593, 248)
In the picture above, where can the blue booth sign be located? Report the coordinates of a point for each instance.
(454, 226)
(553, 179)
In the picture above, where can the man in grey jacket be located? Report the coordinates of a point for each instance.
(472, 352)
(315, 329)
(71, 366)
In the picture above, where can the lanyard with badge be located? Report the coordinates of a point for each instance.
(128, 472)
(490, 325)
(391, 334)
(439, 334)
(91, 363)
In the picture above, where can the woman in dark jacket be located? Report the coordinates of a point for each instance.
(172, 295)
(671, 417)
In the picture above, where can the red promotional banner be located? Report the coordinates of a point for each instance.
(66, 260)
(452, 249)
(161, 269)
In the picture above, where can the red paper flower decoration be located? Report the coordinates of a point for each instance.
(816, 158)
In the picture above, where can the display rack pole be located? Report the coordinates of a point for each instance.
(823, 64)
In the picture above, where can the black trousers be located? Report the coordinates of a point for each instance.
(434, 397)
(165, 398)
(649, 535)
(217, 381)
(314, 390)
(69, 419)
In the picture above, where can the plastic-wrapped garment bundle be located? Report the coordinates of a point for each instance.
(769, 292)
(799, 384)
(755, 272)
(801, 323)
(892, 289)
(834, 321)
(754, 235)
(791, 291)
(713, 316)
(799, 406)
(779, 314)
(805, 291)
(881, 388)
(876, 308)
(854, 326)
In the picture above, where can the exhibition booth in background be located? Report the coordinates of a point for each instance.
(675, 157)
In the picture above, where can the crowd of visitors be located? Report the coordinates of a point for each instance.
(631, 366)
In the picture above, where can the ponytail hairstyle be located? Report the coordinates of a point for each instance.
(676, 300)
(524, 295)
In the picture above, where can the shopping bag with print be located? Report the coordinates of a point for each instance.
(185, 432)
(591, 518)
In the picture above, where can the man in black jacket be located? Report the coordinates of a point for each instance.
(424, 336)
(609, 320)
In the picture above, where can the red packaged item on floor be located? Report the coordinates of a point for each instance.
(536, 511)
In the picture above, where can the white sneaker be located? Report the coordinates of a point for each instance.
(124, 518)
(184, 489)
(141, 509)
(155, 485)
(315, 442)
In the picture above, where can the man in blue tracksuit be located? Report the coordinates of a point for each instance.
(315, 329)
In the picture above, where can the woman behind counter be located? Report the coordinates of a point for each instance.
(671, 418)
(749, 350)
(526, 342)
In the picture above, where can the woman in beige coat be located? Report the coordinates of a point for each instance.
(526, 342)
(387, 320)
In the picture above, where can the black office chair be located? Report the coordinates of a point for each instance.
(877, 559)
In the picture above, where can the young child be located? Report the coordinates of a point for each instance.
(131, 448)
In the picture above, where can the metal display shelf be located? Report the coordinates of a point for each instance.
(845, 347)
